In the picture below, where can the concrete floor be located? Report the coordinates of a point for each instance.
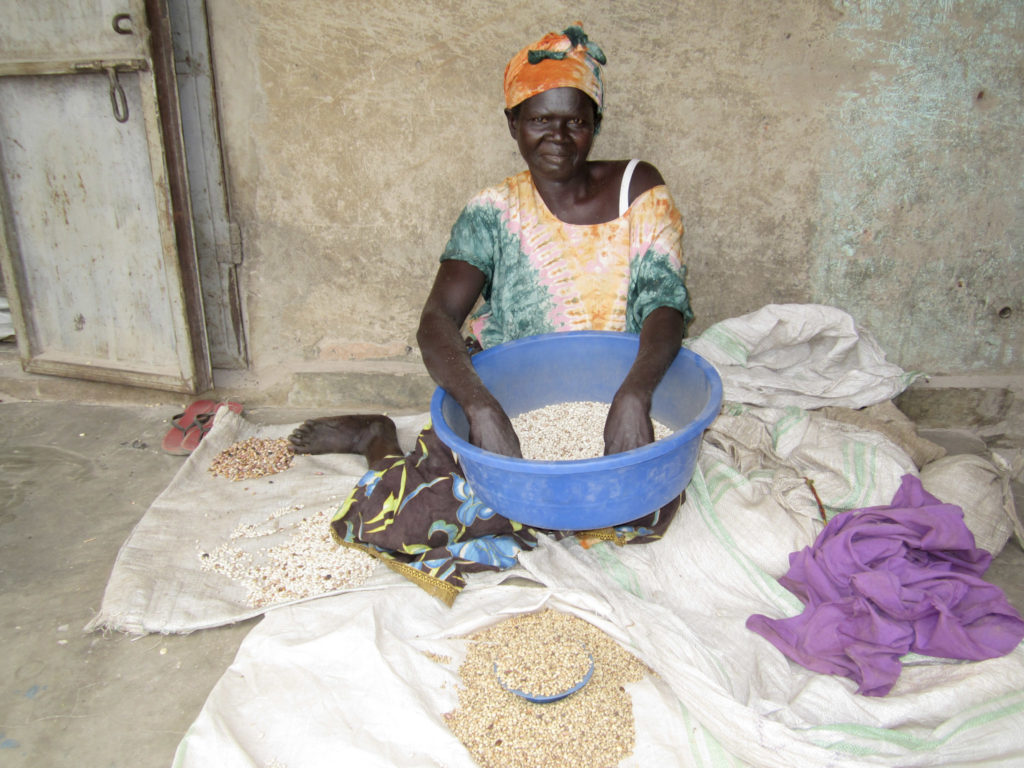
(74, 480)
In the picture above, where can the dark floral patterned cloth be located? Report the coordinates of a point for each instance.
(419, 515)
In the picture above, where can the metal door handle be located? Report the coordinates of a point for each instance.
(117, 98)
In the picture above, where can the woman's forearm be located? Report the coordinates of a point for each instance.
(629, 419)
(660, 339)
(447, 360)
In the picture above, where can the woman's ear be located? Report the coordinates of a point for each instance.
(511, 115)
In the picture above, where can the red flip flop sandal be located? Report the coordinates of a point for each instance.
(204, 423)
(173, 442)
(188, 428)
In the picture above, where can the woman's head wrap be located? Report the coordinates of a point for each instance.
(556, 61)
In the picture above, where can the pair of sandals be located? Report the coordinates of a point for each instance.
(190, 427)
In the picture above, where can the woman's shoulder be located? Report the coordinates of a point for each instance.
(499, 194)
(643, 176)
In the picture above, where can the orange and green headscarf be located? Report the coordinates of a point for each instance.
(556, 61)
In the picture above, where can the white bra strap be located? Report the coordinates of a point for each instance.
(627, 176)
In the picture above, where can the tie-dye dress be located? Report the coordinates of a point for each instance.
(542, 275)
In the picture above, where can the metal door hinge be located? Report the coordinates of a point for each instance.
(236, 242)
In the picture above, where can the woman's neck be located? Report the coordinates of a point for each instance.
(590, 198)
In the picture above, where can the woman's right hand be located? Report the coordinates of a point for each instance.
(456, 288)
(491, 429)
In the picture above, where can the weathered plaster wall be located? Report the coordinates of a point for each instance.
(866, 154)
(922, 234)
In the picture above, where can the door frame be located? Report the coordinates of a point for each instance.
(169, 106)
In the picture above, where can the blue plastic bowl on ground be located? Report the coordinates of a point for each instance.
(589, 493)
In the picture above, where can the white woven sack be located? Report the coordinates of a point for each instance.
(807, 355)
(981, 490)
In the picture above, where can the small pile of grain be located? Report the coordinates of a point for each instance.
(567, 431)
(309, 563)
(592, 728)
(253, 457)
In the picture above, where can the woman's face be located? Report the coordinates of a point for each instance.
(555, 131)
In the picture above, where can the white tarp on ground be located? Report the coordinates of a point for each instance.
(343, 680)
(158, 583)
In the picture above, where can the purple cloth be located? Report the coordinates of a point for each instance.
(883, 581)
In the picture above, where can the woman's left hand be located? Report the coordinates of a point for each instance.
(628, 425)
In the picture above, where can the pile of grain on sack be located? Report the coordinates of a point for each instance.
(252, 458)
(304, 562)
(591, 728)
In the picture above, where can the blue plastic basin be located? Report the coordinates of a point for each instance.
(589, 493)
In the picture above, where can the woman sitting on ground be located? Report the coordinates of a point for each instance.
(568, 244)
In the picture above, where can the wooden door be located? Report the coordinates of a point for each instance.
(96, 233)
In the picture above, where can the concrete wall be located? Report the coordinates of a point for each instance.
(864, 154)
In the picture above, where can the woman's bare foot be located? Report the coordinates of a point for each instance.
(372, 435)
